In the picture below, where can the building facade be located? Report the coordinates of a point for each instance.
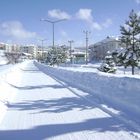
(78, 55)
(99, 50)
(29, 49)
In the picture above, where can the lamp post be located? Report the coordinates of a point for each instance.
(70, 41)
(42, 41)
(53, 23)
(86, 33)
(53, 33)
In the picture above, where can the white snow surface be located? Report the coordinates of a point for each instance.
(7, 93)
(3, 59)
(59, 104)
(124, 90)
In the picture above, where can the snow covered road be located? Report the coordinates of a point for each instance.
(46, 108)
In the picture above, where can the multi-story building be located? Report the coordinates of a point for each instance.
(2, 46)
(29, 49)
(10, 47)
(99, 50)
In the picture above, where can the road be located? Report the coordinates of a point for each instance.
(45, 108)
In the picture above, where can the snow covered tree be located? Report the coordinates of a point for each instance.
(130, 33)
(108, 65)
(56, 55)
(61, 54)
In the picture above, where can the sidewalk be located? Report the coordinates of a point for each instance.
(8, 93)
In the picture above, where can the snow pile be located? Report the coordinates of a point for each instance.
(119, 90)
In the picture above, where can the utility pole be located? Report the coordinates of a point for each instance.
(86, 33)
(70, 41)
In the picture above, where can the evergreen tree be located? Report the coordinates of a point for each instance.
(56, 55)
(108, 65)
(62, 54)
(51, 56)
(130, 37)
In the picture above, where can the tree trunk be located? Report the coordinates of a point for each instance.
(133, 70)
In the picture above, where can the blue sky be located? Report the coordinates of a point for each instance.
(20, 20)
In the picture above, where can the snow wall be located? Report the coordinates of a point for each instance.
(122, 92)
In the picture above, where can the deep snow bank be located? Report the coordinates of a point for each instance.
(121, 91)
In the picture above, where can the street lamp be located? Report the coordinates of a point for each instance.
(42, 40)
(86, 33)
(53, 22)
(70, 41)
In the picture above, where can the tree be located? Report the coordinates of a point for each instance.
(57, 55)
(108, 65)
(13, 57)
(130, 37)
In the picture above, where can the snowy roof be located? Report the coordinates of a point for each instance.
(104, 41)
(27, 54)
(83, 53)
(108, 39)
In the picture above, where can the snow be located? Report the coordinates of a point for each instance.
(7, 94)
(120, 90)
(3, 59)
(68, 103)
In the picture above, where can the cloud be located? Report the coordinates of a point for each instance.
(107, 23)
(57, 13)
(81, 14)
(86, 15)
(15, 30)
(96, 26)
(137, 1)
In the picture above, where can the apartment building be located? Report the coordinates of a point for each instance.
(99, 50)
(29, 49)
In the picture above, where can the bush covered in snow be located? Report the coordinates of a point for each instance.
(108, 65)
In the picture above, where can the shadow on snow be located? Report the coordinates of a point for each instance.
(54, 106)
(36, 87)
(52, 130)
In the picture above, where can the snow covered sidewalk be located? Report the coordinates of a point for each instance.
(7, 93)
(46, 108)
